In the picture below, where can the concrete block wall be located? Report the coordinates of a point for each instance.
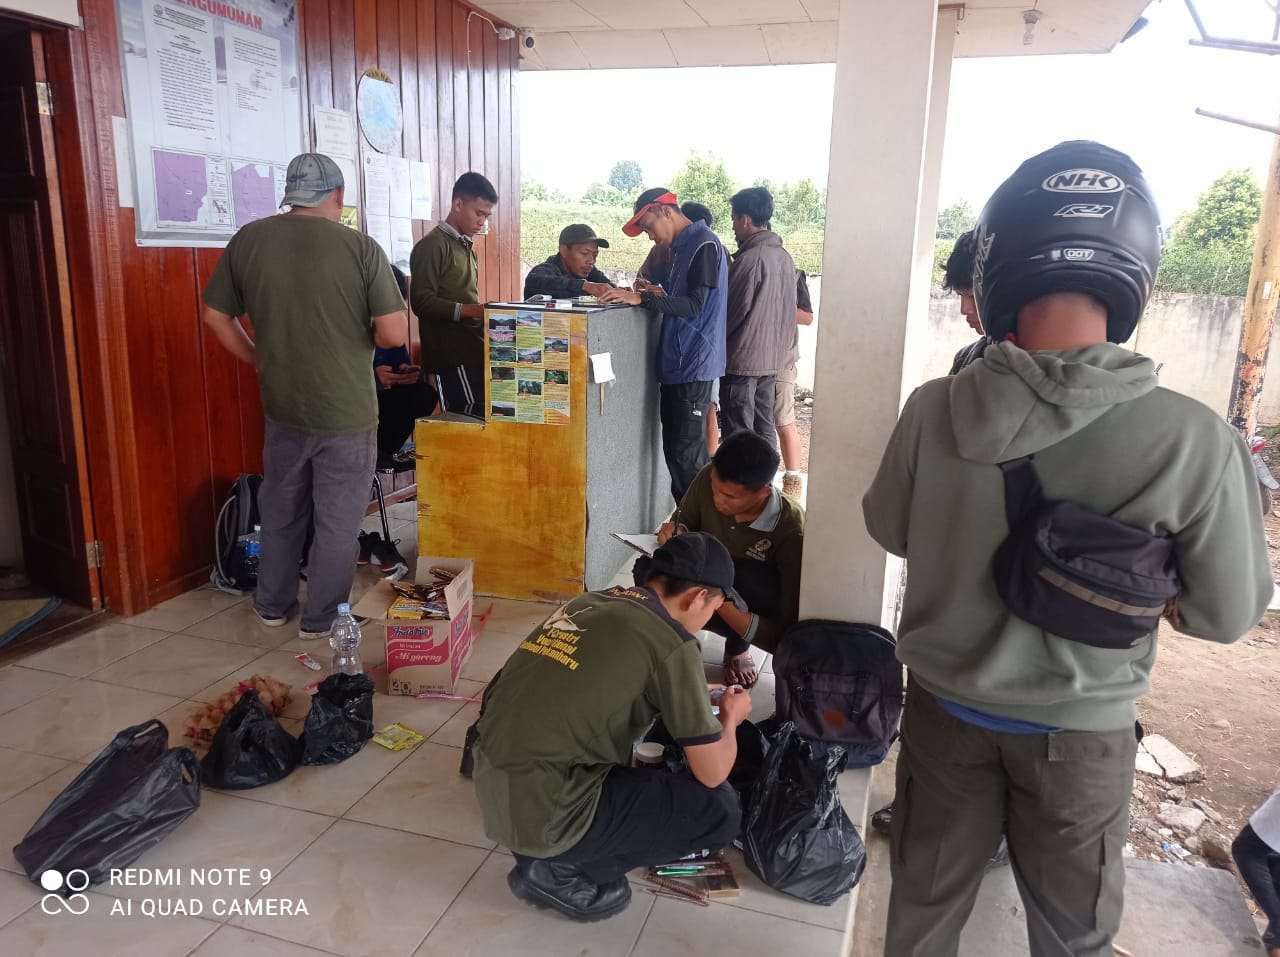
(1195, 337)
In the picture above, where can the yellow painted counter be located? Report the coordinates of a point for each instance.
(533, 502)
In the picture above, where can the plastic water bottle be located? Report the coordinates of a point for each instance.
(345, 642)
(253, 551)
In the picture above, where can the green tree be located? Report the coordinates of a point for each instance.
(703, 179)
(1226, 212)
(799, 204)
(598, 194)
(531, 189)
(956, 219)
(626, 177)
(1210, 249)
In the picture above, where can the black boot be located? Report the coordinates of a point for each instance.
(566, 889)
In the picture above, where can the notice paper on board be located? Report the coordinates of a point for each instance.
(602, 367)
(644, 544)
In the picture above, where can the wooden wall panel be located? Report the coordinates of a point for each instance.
(192, 412)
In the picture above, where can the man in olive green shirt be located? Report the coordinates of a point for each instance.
(320, 296)
(444, 294)
(560, 720)
(733, 499)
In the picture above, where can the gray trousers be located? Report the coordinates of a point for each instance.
(746, 405)
(1063, 799)
(309, 477)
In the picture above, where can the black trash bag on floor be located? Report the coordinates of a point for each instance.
(130, 797)
(251, 748)
(796, 836)
(340, 720)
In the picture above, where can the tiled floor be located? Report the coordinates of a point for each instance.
(386, 849)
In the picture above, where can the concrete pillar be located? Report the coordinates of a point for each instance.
(875, 286)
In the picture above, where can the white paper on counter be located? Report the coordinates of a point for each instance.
(420, 183)
(123, 150)
(602, 367)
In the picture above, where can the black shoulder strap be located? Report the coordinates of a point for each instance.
(1022, 492)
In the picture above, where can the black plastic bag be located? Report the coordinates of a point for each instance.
(132, 795)
(250, 749)
(796, 836)
(340, 720)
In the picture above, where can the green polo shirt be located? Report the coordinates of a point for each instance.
(569, 705)
(776, 536)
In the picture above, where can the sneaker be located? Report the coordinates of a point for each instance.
(369, 541)
(566, 889)
(314, 635)
(387, 556)
(271, 621)
(792, 484)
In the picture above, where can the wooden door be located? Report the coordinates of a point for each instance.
(37, 339)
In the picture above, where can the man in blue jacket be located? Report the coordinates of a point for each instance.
(691, 346)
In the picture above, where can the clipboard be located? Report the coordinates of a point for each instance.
(645, 544)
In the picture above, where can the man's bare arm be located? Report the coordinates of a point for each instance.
(390, 330)
(230, 333)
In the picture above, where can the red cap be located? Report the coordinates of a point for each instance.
(663, 199)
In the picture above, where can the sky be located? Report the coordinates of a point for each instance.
(775, 121)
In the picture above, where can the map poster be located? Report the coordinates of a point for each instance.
(214, 114)
(527, 383)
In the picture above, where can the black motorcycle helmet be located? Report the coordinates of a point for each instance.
(1076, 218)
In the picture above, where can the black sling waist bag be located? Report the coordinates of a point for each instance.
(1077, 574)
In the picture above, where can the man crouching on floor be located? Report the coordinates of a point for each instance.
(552, 760)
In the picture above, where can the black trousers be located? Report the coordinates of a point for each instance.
(461, 389)
(649, 817)
(758, 583)
(398, 407)
(1259, 865)
(746, 405)
(683, 410)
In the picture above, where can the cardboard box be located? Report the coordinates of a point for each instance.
(426, 655)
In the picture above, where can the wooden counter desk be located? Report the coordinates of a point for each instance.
(532, 492)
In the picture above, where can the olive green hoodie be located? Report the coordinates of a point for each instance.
(1104, 436)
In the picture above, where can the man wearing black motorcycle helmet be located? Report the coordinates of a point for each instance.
(1007, 722)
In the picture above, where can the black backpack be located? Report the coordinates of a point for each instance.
(236, 518)
(1077, 574)
(841, 683)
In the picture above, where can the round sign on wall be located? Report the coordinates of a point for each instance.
(378, 108)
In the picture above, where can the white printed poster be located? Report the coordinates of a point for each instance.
(377, 184)
(420, 183)
(214, 111)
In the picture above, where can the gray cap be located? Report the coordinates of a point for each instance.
(581, 233)
(311, 177)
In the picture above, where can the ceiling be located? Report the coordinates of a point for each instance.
(620, 34)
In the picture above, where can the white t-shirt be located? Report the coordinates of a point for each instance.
(1265, 821)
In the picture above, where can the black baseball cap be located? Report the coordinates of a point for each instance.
(576, 233)
(697, 557)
